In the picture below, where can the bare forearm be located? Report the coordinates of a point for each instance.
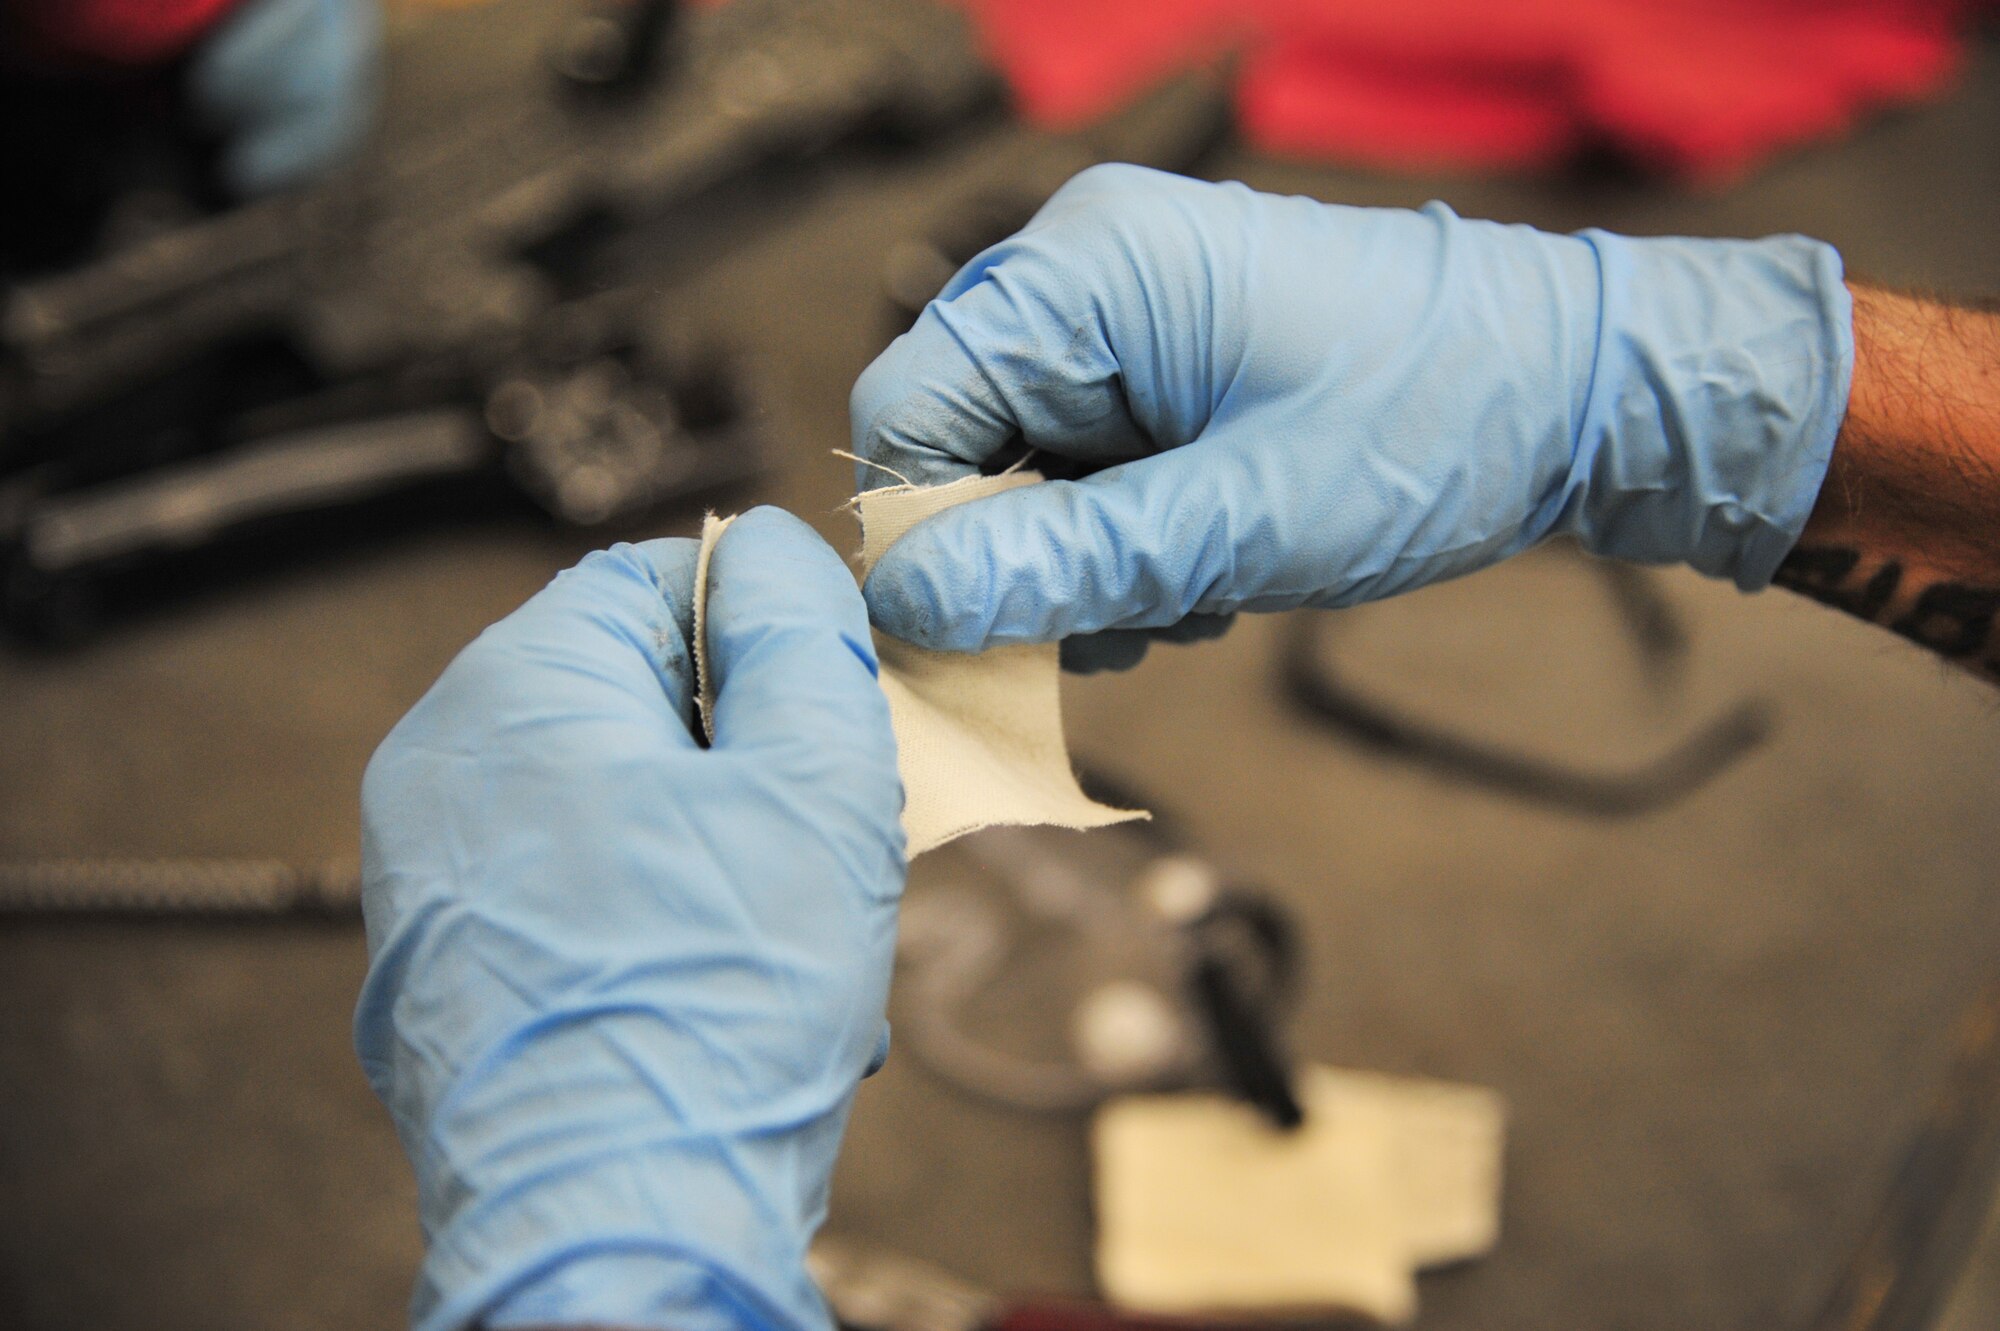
(1906, 532)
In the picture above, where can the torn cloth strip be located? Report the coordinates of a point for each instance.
(712, 528)
(979, 738)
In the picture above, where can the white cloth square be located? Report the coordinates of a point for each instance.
(1204, 1208)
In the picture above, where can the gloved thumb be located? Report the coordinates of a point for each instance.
(788, 642)
(1141, 545)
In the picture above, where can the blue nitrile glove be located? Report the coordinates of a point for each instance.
(290, 85)
(622, 987)
(1296, 403)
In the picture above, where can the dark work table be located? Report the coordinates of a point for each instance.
(1717, 1026)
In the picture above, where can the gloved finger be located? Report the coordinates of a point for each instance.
(985, 365)
(1121, 649)
(257, 44)
(607, 640)
(788, 642)
(292, 83)
(1141, 545)
(291, 146)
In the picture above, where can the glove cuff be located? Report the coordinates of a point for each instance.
(567, 1179)
(672, 1238)
(1721, 382)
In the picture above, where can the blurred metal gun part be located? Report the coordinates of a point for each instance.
(615, 47)
(1172, 128)
(474, 301)
(426, 243)
(600, 434)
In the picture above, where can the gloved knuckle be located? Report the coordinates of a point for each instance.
(886, 405)
(484, 669)
(1132, 200)
(866, 393)
(771, 523)
(1110, 182)
(379, 780)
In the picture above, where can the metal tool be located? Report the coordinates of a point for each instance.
(208, 888)
(1182, 977)
(1309, 679)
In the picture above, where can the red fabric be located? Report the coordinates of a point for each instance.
(112, 32)
(1704, 89)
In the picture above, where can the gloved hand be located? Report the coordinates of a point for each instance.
(622, 987)
(1296, 403)
(290, 85)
